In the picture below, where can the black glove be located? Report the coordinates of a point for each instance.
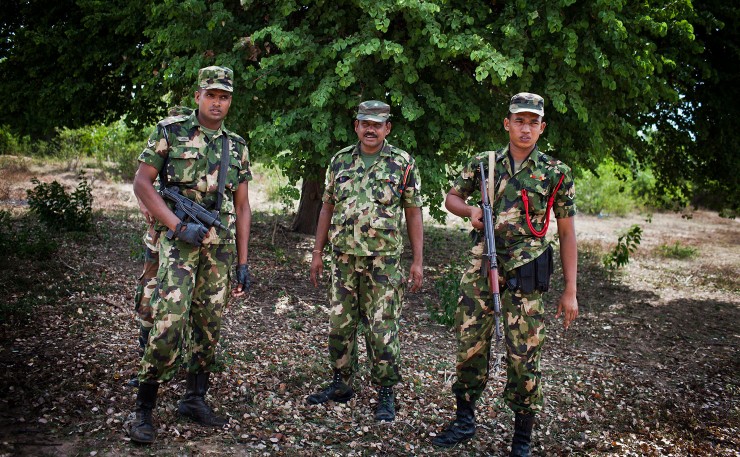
(190, 233)
(243, 277)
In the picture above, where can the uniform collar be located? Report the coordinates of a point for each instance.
(385, 150)
(194, 122)
(533, 157)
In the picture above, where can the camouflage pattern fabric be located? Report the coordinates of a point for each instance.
(524, 332)
(193, 160)
(192, 291)
(147, 283)
(216, 78)
(538, 175)
(527, 102)
(368, 291)
(368, 204)
(523, 314)
(192, 282)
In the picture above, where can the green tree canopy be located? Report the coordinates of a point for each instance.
(68, 63)
(614, 73)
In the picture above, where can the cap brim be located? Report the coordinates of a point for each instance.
(370, 117)
(219, 87)
(527, 110)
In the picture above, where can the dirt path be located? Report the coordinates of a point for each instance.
(651, 366)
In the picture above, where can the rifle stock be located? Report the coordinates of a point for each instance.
(490, 252)
(186, 207)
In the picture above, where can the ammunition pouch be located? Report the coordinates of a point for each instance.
(534, 275)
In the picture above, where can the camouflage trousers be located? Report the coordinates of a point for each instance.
(192, 290)
(148, 280)
(367, 291)
(524, 335)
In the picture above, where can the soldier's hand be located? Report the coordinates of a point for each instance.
(568, 307)
(416, 277)
(191, 233)
(317, 267)
(476, 217)
(243, 280)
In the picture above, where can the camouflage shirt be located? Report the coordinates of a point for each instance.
(368, 204)
(192, 162)
(538, 175)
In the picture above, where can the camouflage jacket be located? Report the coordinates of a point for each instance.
(538, 175)
(368, 204)
(191, 162)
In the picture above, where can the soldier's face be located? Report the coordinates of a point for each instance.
(213, 106)
(524, 129)
(371, 134)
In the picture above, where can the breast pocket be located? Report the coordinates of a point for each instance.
(185, 165)
(385, 189)
(343, 185)
(537, 196)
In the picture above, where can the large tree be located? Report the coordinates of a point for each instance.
(68, 63)
(613, 73)
(695, 146)
(448, 69)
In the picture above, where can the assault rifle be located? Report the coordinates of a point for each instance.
(186, 207)
(490, 252)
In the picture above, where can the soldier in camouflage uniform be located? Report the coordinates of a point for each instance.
(524, 181)
(195, 263)
(146, 285)
(369, 186)
(147, 282)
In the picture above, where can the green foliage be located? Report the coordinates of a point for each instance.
(606, 191)
(60, 210)
(695, 134)
(115, 144)
(626, 244)
(75, 62)
(448, 291)
(446, 67)
(677, 251)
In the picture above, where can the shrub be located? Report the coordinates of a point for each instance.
(448, 291)
(608, 191)
(626, 245)
(677, 251)
(58, 209)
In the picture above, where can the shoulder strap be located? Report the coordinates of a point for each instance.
(491, 175)
(222, 171)
(163, 170)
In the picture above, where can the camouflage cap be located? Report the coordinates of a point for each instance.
(216, 78)
(373, 110)
(524, 101)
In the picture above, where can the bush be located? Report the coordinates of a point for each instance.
(58, 209)
(677, 251)
(626, 245)
(448, 291)
(609, 190)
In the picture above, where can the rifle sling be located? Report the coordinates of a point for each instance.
(491, 175)
(222, 171)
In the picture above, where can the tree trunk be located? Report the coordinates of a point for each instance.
(309, 207)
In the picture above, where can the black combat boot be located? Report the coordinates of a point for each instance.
(520, 445)
(143, 340)
(193, 404)
(462, 428)
(142, 430)
(386, 409)
(337, 391)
